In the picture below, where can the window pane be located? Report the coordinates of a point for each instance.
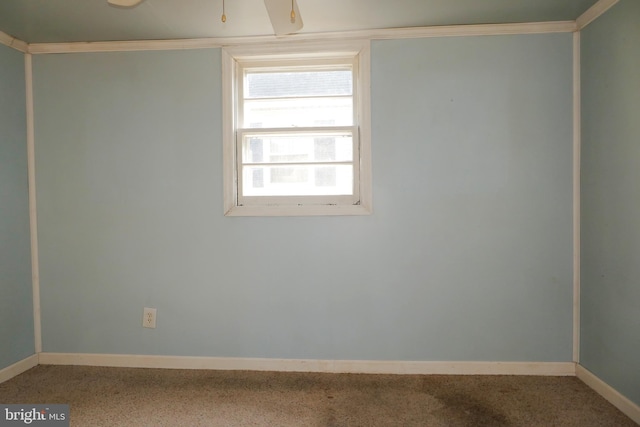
(298, 84)
(297, 180)
(300, 148)
(298, 112)
(324, 148)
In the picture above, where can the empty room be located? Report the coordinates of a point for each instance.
(323, 213)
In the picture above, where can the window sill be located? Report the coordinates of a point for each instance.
(305, 210)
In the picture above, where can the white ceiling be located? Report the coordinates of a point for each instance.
(41, 21)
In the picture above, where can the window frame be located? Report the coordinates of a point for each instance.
(283, 55)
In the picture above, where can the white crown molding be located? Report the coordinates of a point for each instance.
(473, 30)
(13, 42)
(621, 402)
(18, 368)
(301, 365)
(594, 12)
(381, 34)
(123, 46)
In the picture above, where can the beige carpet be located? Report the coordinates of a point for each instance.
(157, 397)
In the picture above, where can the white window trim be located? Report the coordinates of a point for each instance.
(284, 50)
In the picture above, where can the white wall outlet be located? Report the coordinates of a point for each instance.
(149, 318)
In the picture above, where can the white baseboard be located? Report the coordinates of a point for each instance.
(18, 368)
(300, 365)
(625, 405)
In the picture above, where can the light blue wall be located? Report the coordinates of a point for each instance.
(466, 257)
(16, 303)
(611, 198)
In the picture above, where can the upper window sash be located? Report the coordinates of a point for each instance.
(313, 98)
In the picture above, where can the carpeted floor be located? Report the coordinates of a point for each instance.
(113, 397)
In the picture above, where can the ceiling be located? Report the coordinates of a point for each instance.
(46, 21)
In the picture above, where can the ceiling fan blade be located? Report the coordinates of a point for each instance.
(280, 15)
(124, 3)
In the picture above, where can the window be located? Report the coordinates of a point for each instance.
(296, 129)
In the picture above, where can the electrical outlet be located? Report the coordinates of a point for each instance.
(149, 318)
